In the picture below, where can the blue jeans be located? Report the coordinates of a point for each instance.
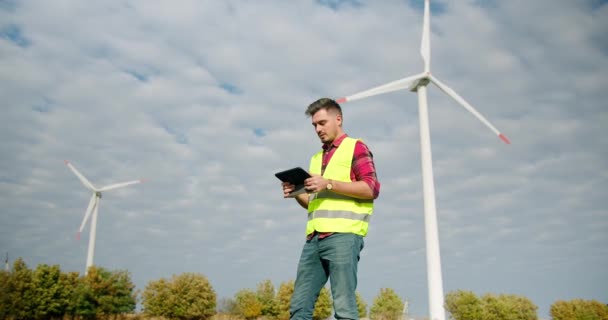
(335, 257)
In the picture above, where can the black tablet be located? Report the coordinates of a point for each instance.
(295, 176)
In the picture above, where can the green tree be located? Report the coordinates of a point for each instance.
(387, 306)
(51, 297)
(70, 282)
(83, 303)
(195, 297)
(283, 299)
(103, 292)
(21, 291)
(185, 296)
(600, 310)
(508, 307)
(47, 293)
(121, 295)
(323, 306)
(464, 305)
(247, 304)
(266, 296)
(5, 299)
(361, 306)
(524, 308)
(579, 309)
(157, 298)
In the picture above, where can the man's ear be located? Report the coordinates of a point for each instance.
(339, 119)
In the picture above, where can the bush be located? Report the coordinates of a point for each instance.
(103, 292)
(579, 309)
(387, 306)
(247, 304)
(51, 295)
(21, 291)
(466, 305)
(5, 301)
(508, 306)
(186, 296)
(266, 296)
(48, 293)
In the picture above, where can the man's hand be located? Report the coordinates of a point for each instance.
(316, 183)
(287, 189)
(301, 198)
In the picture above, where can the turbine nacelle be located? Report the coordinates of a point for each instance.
(422, 82)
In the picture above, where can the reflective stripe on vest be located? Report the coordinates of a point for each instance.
(339, 214)
(333, 212)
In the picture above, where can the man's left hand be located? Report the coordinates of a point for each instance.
(316, 183)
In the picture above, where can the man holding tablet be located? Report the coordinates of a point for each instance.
(339, 198)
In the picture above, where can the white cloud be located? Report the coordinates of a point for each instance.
(180, 94)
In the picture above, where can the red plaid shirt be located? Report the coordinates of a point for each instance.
(362, 168)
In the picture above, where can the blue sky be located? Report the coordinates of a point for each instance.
(207, 100)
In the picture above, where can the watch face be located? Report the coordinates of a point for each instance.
(329, 186)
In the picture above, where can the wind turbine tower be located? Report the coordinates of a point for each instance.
(93, 208)
(418, 83)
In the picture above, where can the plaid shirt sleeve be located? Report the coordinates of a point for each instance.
(363, 168)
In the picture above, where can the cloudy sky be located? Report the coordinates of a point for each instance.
(206, 100)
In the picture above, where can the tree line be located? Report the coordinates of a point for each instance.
(48, 293)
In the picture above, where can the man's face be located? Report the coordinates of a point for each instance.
(327, 125)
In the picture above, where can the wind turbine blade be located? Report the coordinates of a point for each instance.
(120, 185)
(447, 90)
(87, 214)
(82, 178)
(389, 87)
(425, 46)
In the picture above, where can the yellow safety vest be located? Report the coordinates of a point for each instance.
(333, 212)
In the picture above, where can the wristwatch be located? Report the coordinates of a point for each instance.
(329, 185)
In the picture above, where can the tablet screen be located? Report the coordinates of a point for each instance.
(295, 176)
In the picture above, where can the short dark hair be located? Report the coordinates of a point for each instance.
(323, 103)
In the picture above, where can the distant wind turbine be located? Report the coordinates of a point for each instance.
(417, 83)
(93, 208)
(7, 268)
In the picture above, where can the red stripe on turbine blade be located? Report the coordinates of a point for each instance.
(504, 138)
(341, 100)
(66, 161)
(78, 236)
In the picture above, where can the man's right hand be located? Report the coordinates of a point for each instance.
(302, 198)
(287, 189)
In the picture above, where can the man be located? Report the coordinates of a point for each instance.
(339, 203)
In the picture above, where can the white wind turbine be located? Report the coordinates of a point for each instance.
(93, 208)
(418, 83)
